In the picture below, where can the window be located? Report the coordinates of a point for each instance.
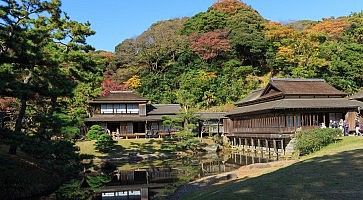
(120, 108)
(106, 108)
(133, 108)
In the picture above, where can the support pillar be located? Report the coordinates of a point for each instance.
(259, 145)
(245, 144)
(234, 142)
(282, 146)
(275, 146)
(253, 144)
(240, 142)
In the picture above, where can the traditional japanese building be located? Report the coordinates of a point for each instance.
(210, 123)
(125, 114)
(272, 115)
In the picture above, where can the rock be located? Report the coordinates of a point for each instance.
(231, 176)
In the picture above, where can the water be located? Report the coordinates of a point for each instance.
(159, 176)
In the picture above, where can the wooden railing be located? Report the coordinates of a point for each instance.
(271, 130)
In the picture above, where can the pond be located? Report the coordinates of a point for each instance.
(155, 179)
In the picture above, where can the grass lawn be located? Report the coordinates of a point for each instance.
(335, 172)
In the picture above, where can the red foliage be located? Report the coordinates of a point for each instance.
(211, 44)
(7, 104)
(110, 85)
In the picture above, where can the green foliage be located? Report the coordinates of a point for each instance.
(95, 132)
(187, 141)
(205, 22)
(313, 140)
(104, 143)
(98, 181)
(73, 191)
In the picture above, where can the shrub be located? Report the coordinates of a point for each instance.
(95, 132)
(73, 190)
(105, 143)
(313, 140)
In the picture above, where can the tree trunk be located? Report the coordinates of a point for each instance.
(19, 120)
(18, 124)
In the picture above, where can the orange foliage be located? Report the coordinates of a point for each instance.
(333, 27)
(211, 44)
(207, 76)
(109, 56)
(276, 31)
(229, 6)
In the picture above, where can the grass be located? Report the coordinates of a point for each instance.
(335, 172)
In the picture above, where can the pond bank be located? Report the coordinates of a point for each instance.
(243, 173)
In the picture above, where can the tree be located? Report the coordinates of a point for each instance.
(95, 132)
(33, 35)
(104, 143)
(211, 44)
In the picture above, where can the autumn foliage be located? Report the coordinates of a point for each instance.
(211, 44)
(110, 85)
(134, 82)
(276, 31)
(229, 6)
(7, 104)
(332, 27)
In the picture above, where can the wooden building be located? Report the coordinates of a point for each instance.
(271, 116)
(353, 116)
(125, 114)
(210, 123)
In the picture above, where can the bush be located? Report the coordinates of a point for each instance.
(105, 143)
(313, 140)
(72, 191)
(95, 132)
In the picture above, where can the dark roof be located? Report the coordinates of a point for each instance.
(124, 118)
(357, 96)
(163, 109)
(253, 96)
(282, 104)
(279, 88)
(291, 86)
(211, 115)
(120, 97)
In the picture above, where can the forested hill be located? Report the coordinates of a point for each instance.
(220, 55)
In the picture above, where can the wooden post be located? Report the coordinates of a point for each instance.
(266, 146)
(259, 145)
(234, 141)
(275, 147)
(282, 146)
(253, 144)
(240, 142)
(144, 193)
(246, 146)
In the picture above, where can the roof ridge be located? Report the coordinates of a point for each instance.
(298, 79)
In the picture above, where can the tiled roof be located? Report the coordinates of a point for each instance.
(211, 115)
(120, 96)
(357, 96)
(163, 109)
(283, 104)
(305, 87)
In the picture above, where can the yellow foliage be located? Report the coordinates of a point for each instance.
(134, 82)
(207, 76)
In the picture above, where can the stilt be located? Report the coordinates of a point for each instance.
(246, 144)
(275, 147)
(240, 142)
(259, 145)
(253, 144)
(266, 146)
(282, 146)
(234, 142)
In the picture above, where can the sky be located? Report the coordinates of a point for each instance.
(117, 20)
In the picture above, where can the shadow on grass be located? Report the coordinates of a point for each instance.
(338, 176)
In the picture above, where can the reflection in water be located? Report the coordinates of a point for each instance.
(153, 178)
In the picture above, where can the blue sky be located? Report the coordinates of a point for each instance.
(116, 20)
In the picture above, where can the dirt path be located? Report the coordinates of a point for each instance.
(244, 172)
